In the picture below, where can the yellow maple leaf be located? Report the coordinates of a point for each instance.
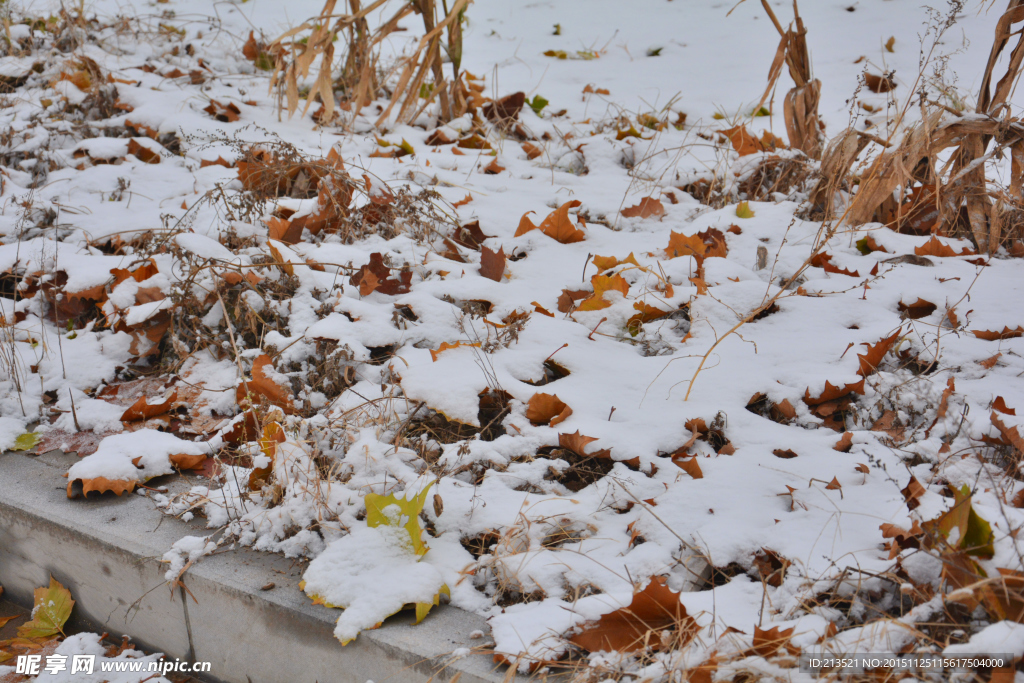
(602, 284)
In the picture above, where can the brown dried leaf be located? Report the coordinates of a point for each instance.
(647, 207)
(634, 627)
(688, 465)
(919, 309)
(142, 409)
(870, 361)
(1007, 333)
(768, 642)
(263, 386)
(845, 443)
(935, 247)
(1000, 405)
(492, 264)
(547, 409)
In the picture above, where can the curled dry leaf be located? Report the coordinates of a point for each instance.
(494, 168)
(225, 113)
(918, 309)
(784, 454)
(879, 84)
(445, 346)
(376, 277)
(557, 225)
(1010, 434)
(547, 409)
(186, 461)
(532, 151)
(142, 409)
(845, 443)
(637, 626)
(688, 465)
(263, 386)
(647, 207)
(568, 298)
(143, 153)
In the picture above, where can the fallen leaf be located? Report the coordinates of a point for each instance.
(647, 207)
(262, 385)
(637, 626)
(462, 202)
(990, 363)
(532, 151)
(602, 284)
(142, 153)
(492, 264)
(556, 226)
(568, 298)
(743, 210)
(1000, 405)
(934, 247)
(445, 346)
(784, 454)
(862, 468)
(1007, 333)
(547, 409)
(27, 441)
(912, 493)
(1011, 434)
(225, 113)
(834, 485)
(832, 393)
(845, 443)
(685, 245)
(50, 612)
(768, 642)
(824, 261)
(870, 361)
(689, 465)
(494, 168)
(604, 263)
(375, 276)
(917, 310)
(142, 409)
(186, 461)
(879, 84)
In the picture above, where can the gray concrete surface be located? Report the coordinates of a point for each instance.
(107, 551)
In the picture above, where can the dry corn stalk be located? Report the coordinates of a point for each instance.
(970, 187)
(800, 105)
(425, 58)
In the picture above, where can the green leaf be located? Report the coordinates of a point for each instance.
(743, 210)
(763, 111)
(537, 104)
(560, 54)
(381, 511)
(862, 246)
(718, 116)
(27, 441)
(52, 609)
(406, 147)
(654, 51)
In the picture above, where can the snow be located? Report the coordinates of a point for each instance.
(90, 644)
(575, 554)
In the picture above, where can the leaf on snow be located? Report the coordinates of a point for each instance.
(262, 385)
(492, 264)
(935, 247)
(602, 284)
(870, 361)
(647, 207)
(637, 626)
(547, 409)
(557, 225)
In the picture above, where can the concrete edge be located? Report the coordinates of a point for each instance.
(106, 552)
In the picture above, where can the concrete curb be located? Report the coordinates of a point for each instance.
(106, 552)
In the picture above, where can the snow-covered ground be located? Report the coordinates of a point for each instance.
(722, 458)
